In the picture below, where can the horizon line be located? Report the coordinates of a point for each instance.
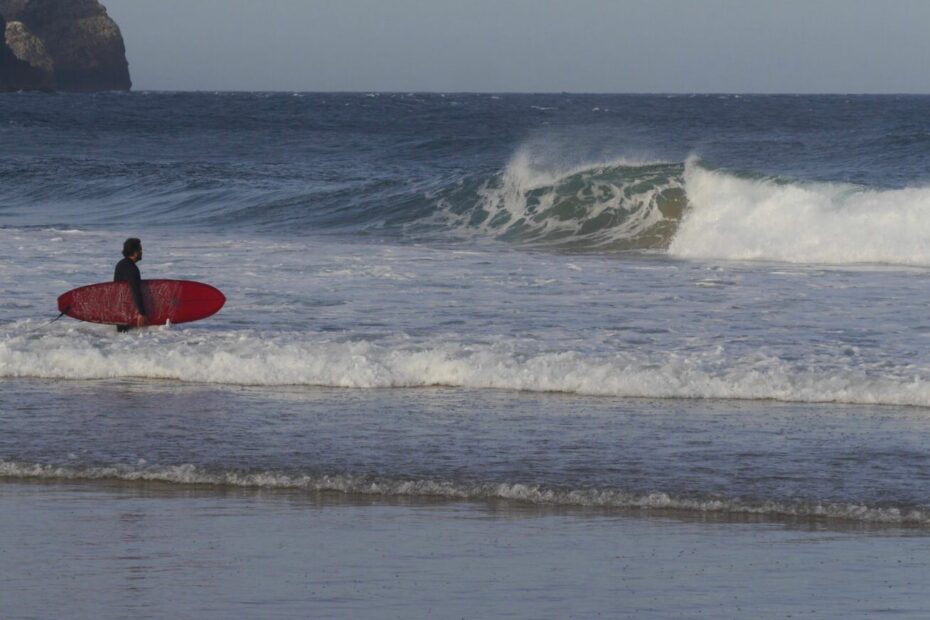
(528, 92)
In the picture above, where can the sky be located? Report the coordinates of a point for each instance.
(612, 46)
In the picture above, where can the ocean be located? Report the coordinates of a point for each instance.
(512, 355)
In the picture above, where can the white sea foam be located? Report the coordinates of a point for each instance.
(252, 358)
(188, 474)
(750, 219)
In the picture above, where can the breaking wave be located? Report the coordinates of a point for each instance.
(687, 209)
(386, 487)
(616, 205)
(250, 358)
(745, 218)
(691, 211)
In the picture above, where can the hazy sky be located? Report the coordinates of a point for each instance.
(847, 46)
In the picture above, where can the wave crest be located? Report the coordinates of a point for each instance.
(616, 205)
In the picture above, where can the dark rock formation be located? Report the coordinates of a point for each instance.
(16, 74)
(30, 49)
(85, 46)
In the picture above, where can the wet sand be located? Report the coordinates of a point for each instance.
(142, 550)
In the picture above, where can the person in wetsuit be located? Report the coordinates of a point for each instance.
(127, 271)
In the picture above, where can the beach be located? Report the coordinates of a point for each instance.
(150, 551)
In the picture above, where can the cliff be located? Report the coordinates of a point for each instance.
(73, 44)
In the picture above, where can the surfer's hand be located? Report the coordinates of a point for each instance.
(140, 320)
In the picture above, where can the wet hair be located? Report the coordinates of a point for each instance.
(131, 246)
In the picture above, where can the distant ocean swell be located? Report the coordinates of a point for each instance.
(386, 487)
(247, 358)
(685, 209)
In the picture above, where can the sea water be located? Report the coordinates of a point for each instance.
(550, 338)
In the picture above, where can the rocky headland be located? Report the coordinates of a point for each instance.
(70, 45)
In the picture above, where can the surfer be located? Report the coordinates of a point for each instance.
(127, 271)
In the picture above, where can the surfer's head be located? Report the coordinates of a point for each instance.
(132, 248)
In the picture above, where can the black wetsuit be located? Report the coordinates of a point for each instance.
(126, 271)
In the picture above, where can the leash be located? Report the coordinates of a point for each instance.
(46, 324)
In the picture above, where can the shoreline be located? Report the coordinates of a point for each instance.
(110, 552)
(492, 507)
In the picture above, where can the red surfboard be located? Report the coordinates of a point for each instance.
(178, 301)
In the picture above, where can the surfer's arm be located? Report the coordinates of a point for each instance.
(135, 284)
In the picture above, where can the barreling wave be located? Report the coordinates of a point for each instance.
(616, 205)
(538, 495)
(279, 359)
